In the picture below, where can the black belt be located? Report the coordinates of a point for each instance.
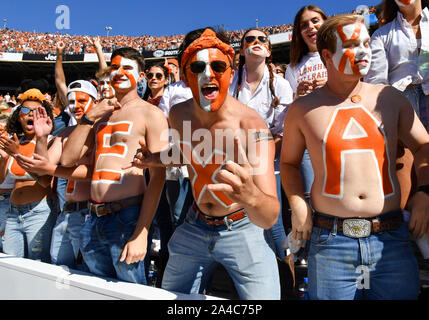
(71, 206)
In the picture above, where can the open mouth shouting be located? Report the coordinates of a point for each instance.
(29, 124)
(210, 91)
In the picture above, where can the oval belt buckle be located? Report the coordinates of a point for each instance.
(356, 228)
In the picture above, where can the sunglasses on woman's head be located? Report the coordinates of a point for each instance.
(250, 39)
(150, 75)
(26, 110)
(218, 66)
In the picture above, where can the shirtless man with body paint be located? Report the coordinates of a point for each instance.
(80, 96)
(120, 215)
(233, 204)
(351, 130)
(65, 242)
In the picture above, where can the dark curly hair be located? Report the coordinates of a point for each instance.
(14, 126)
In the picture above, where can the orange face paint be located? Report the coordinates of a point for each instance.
(204, 174)
(124, 74)
(209, 88)
(338, 142)
(79, 103)
(346, 58)
(104, 148)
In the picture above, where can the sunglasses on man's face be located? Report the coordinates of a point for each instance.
(26, 110)
(150, 75)
(250, 39)
(218, 66)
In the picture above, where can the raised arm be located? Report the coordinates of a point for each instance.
(60, 78)
(95, 43)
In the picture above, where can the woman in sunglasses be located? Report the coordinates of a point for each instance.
(32, 212)
(256, 85)
(157, 81)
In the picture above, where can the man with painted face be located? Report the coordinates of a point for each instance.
(359, 241)
(65, 243)
(122, 206)
(234, 189)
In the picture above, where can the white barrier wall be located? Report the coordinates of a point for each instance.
(24, 279)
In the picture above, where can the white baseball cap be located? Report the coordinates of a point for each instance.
(83, 86)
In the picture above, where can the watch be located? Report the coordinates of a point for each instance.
(85, 120)
(424, 188)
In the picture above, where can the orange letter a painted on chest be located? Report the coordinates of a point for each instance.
(354, 130)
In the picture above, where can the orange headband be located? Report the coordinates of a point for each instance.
(207, 40)
(32, 94)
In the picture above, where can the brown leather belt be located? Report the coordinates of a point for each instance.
(377, 224)
(71, 206)
(104, 208)
(218, 221)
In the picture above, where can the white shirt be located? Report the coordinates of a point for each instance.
(8, 182)
(174, 94)
(309, 68)
(395, 57)
(262, 99)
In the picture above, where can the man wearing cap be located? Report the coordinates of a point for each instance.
(122, 206)
(233, 185)
(65, 242)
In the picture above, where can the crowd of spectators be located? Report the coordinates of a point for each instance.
(44, 43)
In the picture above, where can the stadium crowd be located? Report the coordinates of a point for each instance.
(44, 43)
(85, 181)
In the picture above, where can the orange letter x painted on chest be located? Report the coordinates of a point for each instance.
(204, 174)
(340, 139)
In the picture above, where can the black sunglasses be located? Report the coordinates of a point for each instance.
(150, 75)
(250, 39)
(218, 66)
(26, 110)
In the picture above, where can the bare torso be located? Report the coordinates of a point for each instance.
(116, 143)
(211, 152)
(353, 150)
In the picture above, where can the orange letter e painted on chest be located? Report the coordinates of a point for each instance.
(104, 148)
(204, 173)
(354, 130)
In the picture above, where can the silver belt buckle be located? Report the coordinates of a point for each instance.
(356, 228)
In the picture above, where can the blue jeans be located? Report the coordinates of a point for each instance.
(420, 103)
(4, 208)
(196, 248)
(102, 240)
(179, 196)
(381, 266)
(65, 242)
(307, 173)
(61, 191)
(276, 234)
(29, 229)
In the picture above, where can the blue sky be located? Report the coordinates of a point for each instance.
(155, 17)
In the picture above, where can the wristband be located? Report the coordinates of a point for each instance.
(424, 188)
(85, 120)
